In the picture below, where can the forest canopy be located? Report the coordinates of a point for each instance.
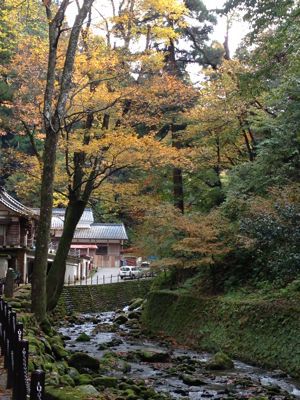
(205, 175)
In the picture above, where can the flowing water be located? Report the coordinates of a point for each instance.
(176, 376)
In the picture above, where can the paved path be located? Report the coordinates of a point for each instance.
(103, 275)
(4, 393)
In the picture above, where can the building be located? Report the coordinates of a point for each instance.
(17, 232)
(101, 242)
(94, 244)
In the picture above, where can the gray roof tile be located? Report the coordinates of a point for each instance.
(101, 231)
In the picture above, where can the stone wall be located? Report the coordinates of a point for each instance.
(98, 298)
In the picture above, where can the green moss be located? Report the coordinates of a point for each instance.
(82, 360)
(84, 379)
(220, 361)
(66, 393)
(83, 337)
(66, 380)
(263, 332)
(105, 381)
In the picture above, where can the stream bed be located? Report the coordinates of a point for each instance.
(175, 372)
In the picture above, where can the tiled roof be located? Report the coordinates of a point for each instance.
(58, 216)
(14, 205)
(102, 232)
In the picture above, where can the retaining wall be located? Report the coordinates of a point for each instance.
(99, 298)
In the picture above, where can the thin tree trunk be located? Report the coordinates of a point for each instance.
(54, 113)
(178, 189)
(56, 275)
(39, 272)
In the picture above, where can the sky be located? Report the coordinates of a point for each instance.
(238, 30)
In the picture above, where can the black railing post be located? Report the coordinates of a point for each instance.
(17, 361)
(1, 325)
(23, 387)
(37, 386)
(8, 310)
(11, 349)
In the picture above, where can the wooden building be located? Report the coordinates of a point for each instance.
(101, 242)
(17, 232)
(94, 244)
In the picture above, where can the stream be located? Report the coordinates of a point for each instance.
(179, 373)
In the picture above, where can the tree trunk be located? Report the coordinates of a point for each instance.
(56, 275)
(54, 112)
(178, 189)
(38, 304)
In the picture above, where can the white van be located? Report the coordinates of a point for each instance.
(130, 272)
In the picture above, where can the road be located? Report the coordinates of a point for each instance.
(102, 276)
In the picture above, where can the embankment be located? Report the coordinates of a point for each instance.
(99, 298)
(265, 333)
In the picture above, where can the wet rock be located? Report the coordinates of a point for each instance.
(82, 360)
(134, 315)
(114, 342)
(135, 304)
(74, 374)
(83, 337)
(192, 380)
(153, 355)
(105, 381)
(278, 374)
(84, 379)
(52, 379)
(66, 380)
(220, 361)
(59, 352)
(121, 319)
(89, 390)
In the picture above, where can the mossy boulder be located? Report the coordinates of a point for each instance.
(136, 303)
(121, 319)
(74, 374)
(84, 379)
(220, 361)
(52, 379)
(69, 393)
(192, 380)
(111, 343)
(134, 315)
(83, 337)
(153, 355)
(81, 361)
(66, 380)
(59, 352)
(88, 390)
(105, 381)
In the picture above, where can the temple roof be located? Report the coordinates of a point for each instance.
(101, 231)
(58, 216)
(14, 205)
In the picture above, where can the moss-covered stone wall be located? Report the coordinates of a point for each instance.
(98, 298)
(265, 333)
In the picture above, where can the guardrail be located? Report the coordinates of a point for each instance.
(105, 279)
(15, 351)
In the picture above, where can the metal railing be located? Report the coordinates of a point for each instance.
(105, 279)
(14, 350)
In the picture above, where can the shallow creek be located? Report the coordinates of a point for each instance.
(176, 377)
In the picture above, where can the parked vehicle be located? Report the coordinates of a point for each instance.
(130, 272)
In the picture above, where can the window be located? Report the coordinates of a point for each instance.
(101, 250)
(2, 235)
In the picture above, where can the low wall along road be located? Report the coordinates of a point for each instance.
(99, 298)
